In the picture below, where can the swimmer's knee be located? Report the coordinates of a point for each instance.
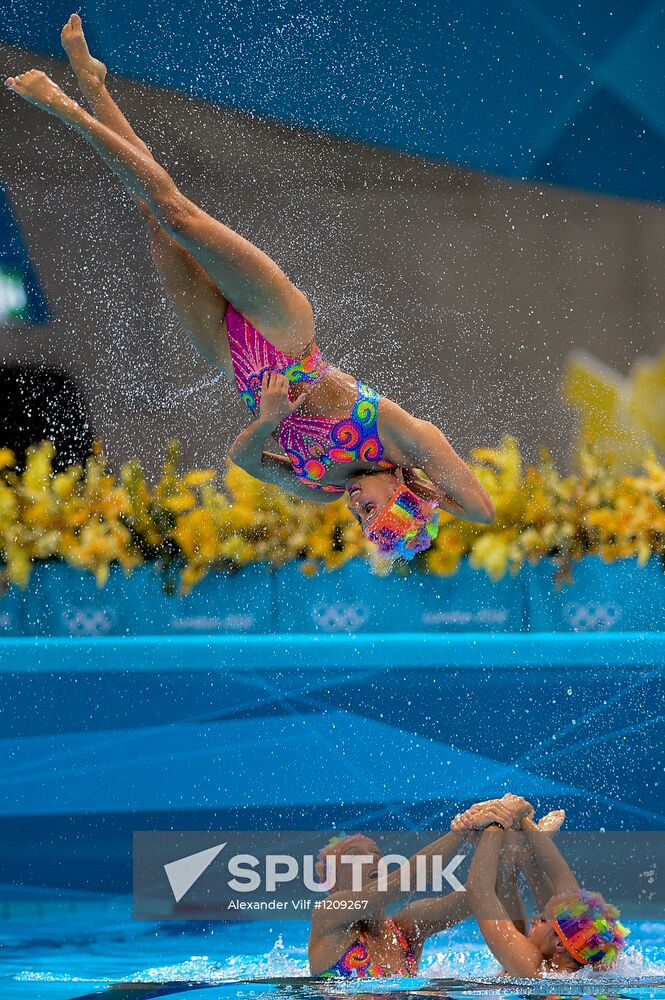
(148, 215)
(177, 212)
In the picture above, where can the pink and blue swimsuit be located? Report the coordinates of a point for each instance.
(312, 444)
(356, 961)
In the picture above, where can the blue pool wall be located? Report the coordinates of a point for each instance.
(64, 601)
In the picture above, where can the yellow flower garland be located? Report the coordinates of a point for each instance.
(91, 519)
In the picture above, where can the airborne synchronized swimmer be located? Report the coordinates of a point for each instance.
(338, 435)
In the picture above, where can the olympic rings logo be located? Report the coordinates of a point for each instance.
(592, 617)
(89, 621)
(340, 617)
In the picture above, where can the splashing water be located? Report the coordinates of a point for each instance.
(121, 950)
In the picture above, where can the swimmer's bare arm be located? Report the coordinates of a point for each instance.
(426, 917)
(540, 884)
(548, 858)
(424, 446)
(507, 883)
(348, 906)
(433, 453)
(516, 853)
(517, 954)
(435, 915)
(248, 449)
(421, 919)
(516, 858)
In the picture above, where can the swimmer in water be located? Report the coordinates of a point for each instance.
(246, 317)
(341, 944)
(575, 928)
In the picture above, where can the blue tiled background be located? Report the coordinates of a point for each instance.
(567, 92)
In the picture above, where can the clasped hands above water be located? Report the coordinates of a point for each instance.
(509, 812)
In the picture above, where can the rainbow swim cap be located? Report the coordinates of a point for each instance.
(588, 926)
(405, 526)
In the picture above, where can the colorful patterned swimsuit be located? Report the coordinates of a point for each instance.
(356, 961)
(312, 444)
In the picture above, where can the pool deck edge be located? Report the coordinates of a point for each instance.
(119, 654)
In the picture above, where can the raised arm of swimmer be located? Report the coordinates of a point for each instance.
(548, 858)
(423, 446)
(376, 896)
(424, 917)
(516, 854)
(516, 953)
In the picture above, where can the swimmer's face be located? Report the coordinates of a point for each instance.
(549, 944)
(543, 935)
(369, 494)
(359, 846)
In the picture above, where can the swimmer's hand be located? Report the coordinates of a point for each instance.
(508, 811)
(275, 402)
(518, 806)
(551, 822)
(515, 852)
(481, 815)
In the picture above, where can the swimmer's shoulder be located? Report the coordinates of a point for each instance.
(398, 429)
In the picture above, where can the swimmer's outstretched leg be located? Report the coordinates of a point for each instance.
(91, 78)
(244, 274)
(198, 302)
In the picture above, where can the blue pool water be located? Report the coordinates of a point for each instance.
(97, 743)
(76, 949)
